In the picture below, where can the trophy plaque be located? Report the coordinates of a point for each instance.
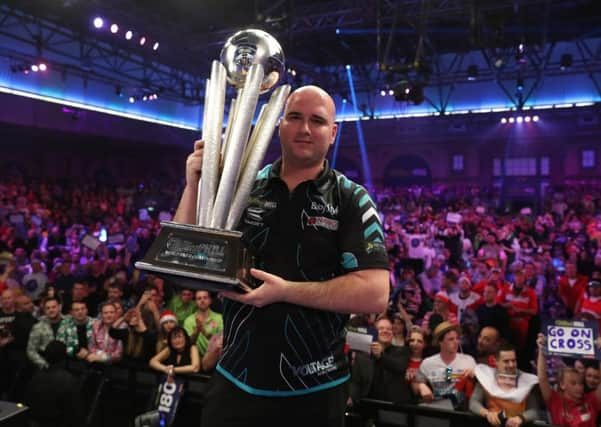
(210, 255)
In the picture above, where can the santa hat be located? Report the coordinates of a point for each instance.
(167, 316)
(442, 296)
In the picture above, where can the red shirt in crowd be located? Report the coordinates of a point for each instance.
(519, 322)
(569, 413)
(571, 290)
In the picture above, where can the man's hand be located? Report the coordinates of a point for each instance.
(514, 422)
(493, 418)
(194, 164)
(376, 349)
(6, 340)
(82, 353)
(200, 325)
(425, 393)
(273, 289)
(469, 373)
(91, 357)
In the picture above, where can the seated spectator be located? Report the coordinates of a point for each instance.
(592, 377)
(53, 395)
(569, 406)
(448, 374)
(102, 347)
(487, 346)
(138, 344)
(503, 394)
(441, 307)
(167, 322)
(203, 324)
(76, 331)
(380, 374)
(491, 313)
(44, 331)
(571, 287)
(465, 299)
(182, 304)
(417, 344)
(179, 357)
(25, 305)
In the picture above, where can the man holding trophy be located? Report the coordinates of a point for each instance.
(317, 251)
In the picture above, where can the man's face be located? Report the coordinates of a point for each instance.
(519, 279)
(307, 129)
(571, 270)
(490, 294)
(507, 363)
(487, 341)
(450, 342)
(592, 377)
(203, 300)
(186, 296)
(7, 301)
(79, 312)
(155, 296)
(416, 343)
(464, 286)
(114, 294)
(108, 314)
(52, 309)
(80, 291)
(384, 331)
(24, 304)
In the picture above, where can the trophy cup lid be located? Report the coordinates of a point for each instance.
(248, 47)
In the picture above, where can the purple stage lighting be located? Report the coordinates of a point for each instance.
(35, 68)
(527, 119)
(535, 119)
(98, 22)
(391, 92)
(42, 66)
(503, 120)
(519, 119)
(128, 35)
(114, 28)
(383, 92)
(511, 120)
(156, 47)
(132, 99)
(142, 40)
(145, 98)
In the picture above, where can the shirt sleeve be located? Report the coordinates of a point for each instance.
(361, 238)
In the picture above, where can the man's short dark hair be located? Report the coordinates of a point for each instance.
(504, 347)
(77, 302)
(47, 299)
(115, 285)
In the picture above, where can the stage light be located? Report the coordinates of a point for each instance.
(35, 68)
(142, 40)
(503, 120)
(344, 100)
(565, 61)
(145, 98)
(472, 72)
(98, 22)
(410, 92)
(527, 119)
(535, 119)
(519, 56)
(337, 30)
(128, 35)
(383, 92)
(511, 120)
(519, 84)
(519, 119)
(114, 28)
(390, 92)
(132, 99)
(155, 46)
(42, 66)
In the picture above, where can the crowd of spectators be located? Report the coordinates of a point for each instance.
(470, 281)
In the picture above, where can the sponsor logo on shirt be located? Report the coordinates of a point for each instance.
(323, 222)
(324, 207)
(318, 367)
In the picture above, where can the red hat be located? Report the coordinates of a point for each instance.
(166, 316)
(442, 296)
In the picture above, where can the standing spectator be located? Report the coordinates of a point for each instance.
(571, 287)
(76, 331)
(138, 343)
(203, 324)
(491, 313)
(522, 305)
(182, 304)
(487, 346)
(417, 344)
(465, 299)
(44, 332)
(442, 308)
(589, 305)
(35, 281)
(102, 347)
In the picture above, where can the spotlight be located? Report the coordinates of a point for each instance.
(390, 92)
(527, 119)
(35, 68)
(472, 72)
(519, 84)
(519, 119)
(503, 120)
(114, 28)
(565, 62)
(42, 66)
(132, 99)
(519, 56)
(383, 92)
(535, 119)
(128, 35)
(98, 22)
(337, 30)
(348, 67)
(142, 40)
(511, 120)
(155, 46)
(344, 100)
(410, 92)
(145, 98)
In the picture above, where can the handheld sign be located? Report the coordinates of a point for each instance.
(571, 338)
(169, 394)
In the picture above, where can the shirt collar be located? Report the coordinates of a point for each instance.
(320, 183)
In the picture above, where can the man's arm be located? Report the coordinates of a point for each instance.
(186, 210)
(32, 349)
(541, 370)
(362, 291)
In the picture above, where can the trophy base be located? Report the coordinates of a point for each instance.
(199, 258)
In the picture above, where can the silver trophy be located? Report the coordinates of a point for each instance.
(210, 254)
